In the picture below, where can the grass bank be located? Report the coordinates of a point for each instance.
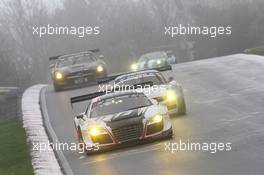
(256, 51)
(14, 151)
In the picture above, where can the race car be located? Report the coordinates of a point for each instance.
(119, 118)
(154, 60)
(154, 85)
(77, 69)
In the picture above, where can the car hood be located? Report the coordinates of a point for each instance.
(122, 115)
(79, 67)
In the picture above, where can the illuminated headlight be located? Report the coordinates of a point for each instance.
(156, 119)
(170, 95)
(134, 67)
(99, 68)
(158, 62)
(96, 131)
(58, 75)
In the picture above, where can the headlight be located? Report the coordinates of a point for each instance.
(58, 75)
(158, 62)
(96, 130)
(156, 119)
(170, 95)
(134, 67)
(100, 68)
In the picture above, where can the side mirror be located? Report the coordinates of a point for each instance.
(80, 116)
(170, 79)
(101, 57)
(172, 60)
(52, 66)
(155, 102)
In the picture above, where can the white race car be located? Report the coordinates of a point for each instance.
(154, 60)
(119, 118)
(154, 85)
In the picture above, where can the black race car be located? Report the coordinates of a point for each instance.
(77, 69)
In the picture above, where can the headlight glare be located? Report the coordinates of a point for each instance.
(170, 95)
(96, 130)
(58, 75)
(156, 119)
(134, 67)
(100, 68)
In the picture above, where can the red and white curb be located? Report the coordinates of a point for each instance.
(44, 162)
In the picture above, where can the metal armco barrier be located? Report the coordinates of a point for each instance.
(10, 103)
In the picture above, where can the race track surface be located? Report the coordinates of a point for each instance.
(225, 103)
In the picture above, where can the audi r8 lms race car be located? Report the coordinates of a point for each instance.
(154, 85)
(154, 60)
(118, 118)
(77, 69)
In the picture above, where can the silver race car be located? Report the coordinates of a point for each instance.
(154, 85)
(77, 69)
(154, 60)
(120, 118)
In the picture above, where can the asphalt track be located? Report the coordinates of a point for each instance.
(225, 103)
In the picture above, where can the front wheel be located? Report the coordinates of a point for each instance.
(80, 138)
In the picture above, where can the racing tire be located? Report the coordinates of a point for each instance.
(182, 106)
(57, 88)
(80, 138)
(169, 134)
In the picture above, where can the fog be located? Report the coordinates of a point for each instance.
(128, 29)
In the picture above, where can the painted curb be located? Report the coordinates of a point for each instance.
(44, 162)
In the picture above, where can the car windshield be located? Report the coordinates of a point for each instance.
(119, 104)
(147, 79)
(74, 59)
(153, 56)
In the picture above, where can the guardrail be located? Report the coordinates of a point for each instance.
(10, 103)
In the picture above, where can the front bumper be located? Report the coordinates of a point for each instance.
(172, 108)
(79, 79)
(106, 147)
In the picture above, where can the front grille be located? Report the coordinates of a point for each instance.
(82, 73)
(128, 132)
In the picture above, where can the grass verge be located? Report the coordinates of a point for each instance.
(14, 151)
(256, 51)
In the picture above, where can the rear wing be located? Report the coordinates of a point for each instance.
(91, 96)
(114, 76)
(88, 51)
(86, 97)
